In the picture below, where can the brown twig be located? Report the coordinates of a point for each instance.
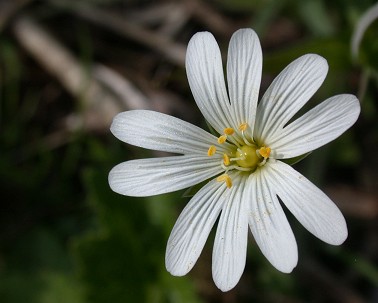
(208, 16)
(103, 95)
(126, 92)
(57, 60)
(172, 51)
(152, 15)
(170, 17)
(176, 19)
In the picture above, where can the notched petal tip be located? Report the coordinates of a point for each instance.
(192, 229)
(288, 93)
(311, 206)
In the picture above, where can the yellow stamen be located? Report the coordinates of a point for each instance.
(228, 131)
(211, 151)
(222, 139)
(264, 152)
(226, 159)
(225, 178)
(243, 127)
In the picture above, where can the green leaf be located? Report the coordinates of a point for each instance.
(123, 259)
(211, 129)
(315, 16)
(61, 288)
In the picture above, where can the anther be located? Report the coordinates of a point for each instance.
(226, 159)
(243, 127)
(222, 139)
(211, 151)
(228, 131)
(264, 152)
(225, 178)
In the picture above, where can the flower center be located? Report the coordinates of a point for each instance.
(245, 157)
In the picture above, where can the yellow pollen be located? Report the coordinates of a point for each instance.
(226, 159)
(243, 127)
(222, 139)
(264, 152)
(211, 151)
(225, 178)
(228, 131)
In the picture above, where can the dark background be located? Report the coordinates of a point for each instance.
(67, 67)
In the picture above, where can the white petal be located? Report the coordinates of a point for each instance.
(292, 88)
(147, 177)
(157, 131)
(269, 224)
(317, 127)
(313, 209)
(206, 79)
(244, 66)
(230, 246)
(192, 228)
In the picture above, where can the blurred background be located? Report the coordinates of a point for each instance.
(68, 66)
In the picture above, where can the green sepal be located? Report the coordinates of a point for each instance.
(211, 129)
(295, 160)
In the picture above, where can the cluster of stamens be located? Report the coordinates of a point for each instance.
(245, 157)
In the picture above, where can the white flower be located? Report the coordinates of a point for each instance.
(245, 159)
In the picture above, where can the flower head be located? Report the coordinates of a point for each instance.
(244, 163)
